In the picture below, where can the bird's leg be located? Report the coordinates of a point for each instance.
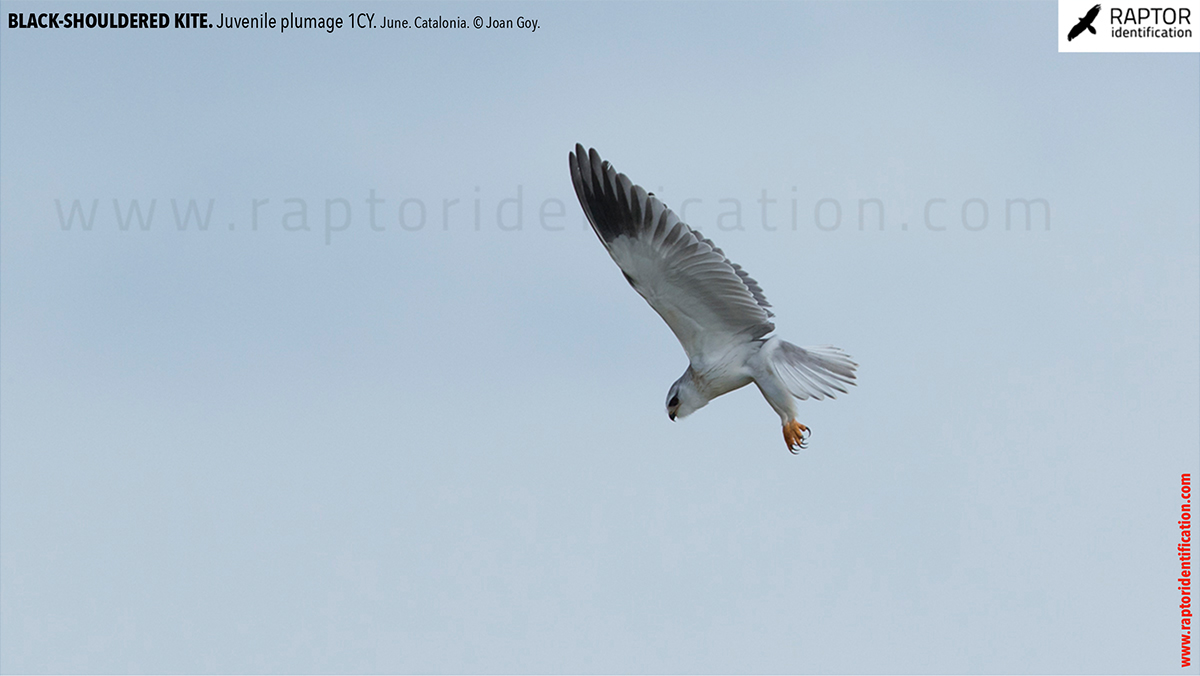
(795, 435)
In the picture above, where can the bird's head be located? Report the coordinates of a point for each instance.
(683, 398)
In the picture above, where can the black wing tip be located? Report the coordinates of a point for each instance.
(602, 194)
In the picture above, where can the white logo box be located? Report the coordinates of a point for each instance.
(1130, 26)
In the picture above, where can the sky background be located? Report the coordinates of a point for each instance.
(440, 444)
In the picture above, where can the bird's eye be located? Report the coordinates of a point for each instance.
(674, 402)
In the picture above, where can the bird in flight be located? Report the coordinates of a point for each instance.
(716, 310)
(1085, 23)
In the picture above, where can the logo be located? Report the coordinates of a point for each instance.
(1129, 26)
(1085, 23)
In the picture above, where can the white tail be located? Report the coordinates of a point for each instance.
(815, 372)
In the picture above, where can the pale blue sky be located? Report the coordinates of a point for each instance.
(445, 449)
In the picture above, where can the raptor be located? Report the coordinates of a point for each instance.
(716, 310)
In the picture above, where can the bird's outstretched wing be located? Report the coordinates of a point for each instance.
(707, 300)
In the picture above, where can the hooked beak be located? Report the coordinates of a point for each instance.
(671, 415)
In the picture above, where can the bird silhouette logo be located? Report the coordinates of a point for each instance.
(1085, 23)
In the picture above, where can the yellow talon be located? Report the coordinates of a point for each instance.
(795, 435)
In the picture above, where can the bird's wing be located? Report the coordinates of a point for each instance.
(707, 300)
(1091, 15)
(1079, 27)
(816, 372)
